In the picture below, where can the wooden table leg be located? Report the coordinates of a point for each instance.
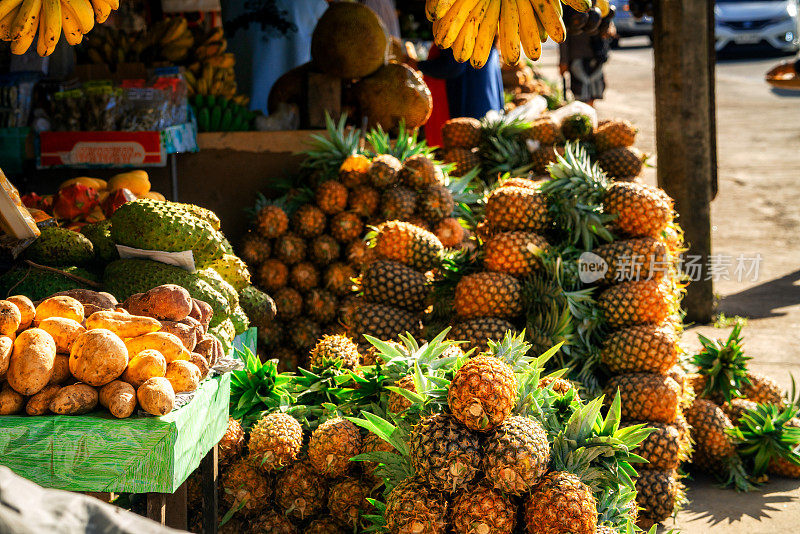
(209, 473)
(157, 507)
(176, 508)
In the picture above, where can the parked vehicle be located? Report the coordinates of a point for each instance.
(628, 25)
(758, 22)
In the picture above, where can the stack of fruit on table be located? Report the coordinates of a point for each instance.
(522, 83)
(80, 348)
(443, 442)
(62, 259)
(306, 247)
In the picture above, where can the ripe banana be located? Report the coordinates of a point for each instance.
(114, 4)
(579, 5)
(176, 28)
(453, 21)
(485, 38)
(465, 42)
(529, 30)
(20, 46)
(27, 19)
(83, 12)
(6, 22)
(509, 24)
(101, 10)
(49, 27)
(216, 35)
(548, 13)
(440, 7)
(7, 6)
(69, 23)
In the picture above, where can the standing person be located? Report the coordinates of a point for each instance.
(269, 37)
(471, 92)
(441, 109)
(583, 56)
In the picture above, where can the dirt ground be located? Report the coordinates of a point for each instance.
(755, 213)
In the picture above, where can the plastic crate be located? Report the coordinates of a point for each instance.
(12, 149)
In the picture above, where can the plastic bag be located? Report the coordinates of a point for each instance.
(575, 108)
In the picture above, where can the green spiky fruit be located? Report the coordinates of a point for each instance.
(59, 246)
(38, 284)
(258, 306)
(240, 320)
(223, 288)
(99, 233)
(232, 270)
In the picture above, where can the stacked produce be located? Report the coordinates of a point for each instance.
(522, 83)
(80, 348)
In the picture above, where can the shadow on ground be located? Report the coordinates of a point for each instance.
(763, 300)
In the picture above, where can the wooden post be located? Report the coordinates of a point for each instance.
(683, 98)
(176, 509)
(157, 507)
(209, 473)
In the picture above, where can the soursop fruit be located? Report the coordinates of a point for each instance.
(38, 284)
(232, 270)
(123, 278)
(258, 306)
(157, 225)
(224, 288)
(59, 246)
(204, 214)
(240, 320)
(225, 332)
(99, 233)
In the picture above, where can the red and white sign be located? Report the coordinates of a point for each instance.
(90, 149)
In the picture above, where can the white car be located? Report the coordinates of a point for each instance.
(754, 22)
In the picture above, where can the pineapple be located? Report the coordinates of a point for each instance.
(722, 368)
(273, 275)
(488, 294)
(398, 203)
(396, 402)
(384, 171)
(254, 249)
(461, 132)
(419, 172)
(272, 522)
(636, 302)
(359, 254)
(412, 507)
(325, 525)
(762, 389)
(520, 182)
(542, 157)
(347, 500)
(516, 455)
(449, 232)
(614, 134)
(346, 227)
(270, 333)
(514, 253)
(232, 442)
(373, 443)
(641, 258)
(650, 348)
(561, 503)
(271, 222)
(320, 305)
(364, 200)
(324, 250)
(545, 130)
(736, 408)
(463, 159)
(390, 282)
(290, 249)
(436, 203)
(483, 509)
(476, 332)
(559, 385)
(641, 210)
(299, 491)
(408, 244)
(662, 448)
(444, 453)
(713, 447)
(288, 302)
(578, 126)
(304, 276)
(338, 278)
(334, 350)
(332, 445)
(657, 493)
(621, 163)
(305, 333)
(517, 208)
(288, 360)
(308, 221)
(275, 441)
(354, 171)
(482, 393)
(246, 489)
(646, 396)
(384, 322)
(331, 197)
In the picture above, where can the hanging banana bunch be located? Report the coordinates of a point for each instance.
(470, 26)
(20, 20)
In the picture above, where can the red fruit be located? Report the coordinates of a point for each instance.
(74, 201)
(32, 200)
(116, 199)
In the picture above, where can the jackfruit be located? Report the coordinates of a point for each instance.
(99, 233)
(59, 246)
(232, 270)
(38, 284)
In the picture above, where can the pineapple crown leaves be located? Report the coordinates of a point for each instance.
(764, 434)
(724, 363)
(328, 153)
(466, 189)
(262, 202)
(393, 467)
(406, 145)
(613, 509)
(575, 194)
(513, 350)
(258, 388)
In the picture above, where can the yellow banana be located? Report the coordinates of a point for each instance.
(20, 46)
(224, 61)
(486, 33)
(453, 21)
(83, 12)
(550, 18)
(27, 19)
(101, 10)
(529, 30)
(215, 35)
(509, 23)
(113, 4)
(5, 24)
(579, 5)
(604, 6)
(465, 42)
(49, 27)
(7, 6)
(442, 7)
(69, 23)
(176, 28)
(430, 9)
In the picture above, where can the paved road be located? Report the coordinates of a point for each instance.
(757, 211)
